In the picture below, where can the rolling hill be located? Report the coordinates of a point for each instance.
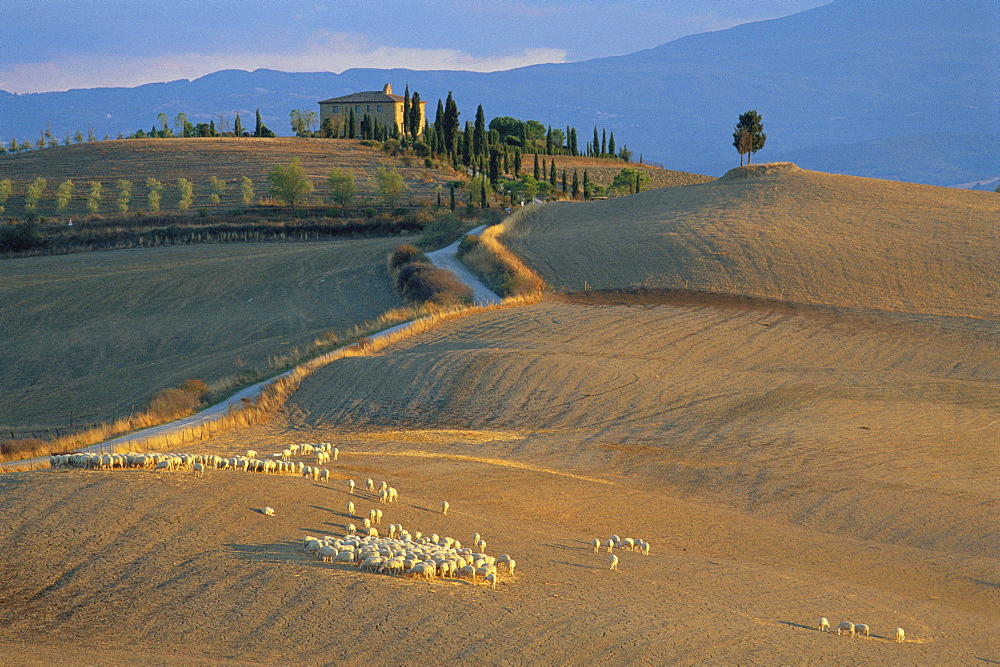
(780, 232)
(841, 74)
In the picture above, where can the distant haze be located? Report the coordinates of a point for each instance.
(896, 90)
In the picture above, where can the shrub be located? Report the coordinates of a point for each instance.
(422, 282)
(21, 237)
(172, 403)
(404, 254)
(22, 448)
(441, 231)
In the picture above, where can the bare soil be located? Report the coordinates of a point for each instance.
(784, 466)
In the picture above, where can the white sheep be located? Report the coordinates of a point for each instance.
(861, 629)
(251, 453)
(393, 495)
(324, 475)
(350, 508)
(610, 544)
(378, 516)
(199, 469)
(597, 545)
(370, 485)
(491, 579)
(267, 511)
(350, 486)
(824, 625)
(845, 626)
(336, 453)
(614, 562)
(900, 635)
(444, 507)
(286, 454)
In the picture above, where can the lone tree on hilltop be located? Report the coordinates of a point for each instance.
(290, 184)
(748, 135)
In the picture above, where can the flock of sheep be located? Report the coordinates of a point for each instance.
(400, 553)
(857, 629)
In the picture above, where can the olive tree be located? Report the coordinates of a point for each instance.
(290, 184)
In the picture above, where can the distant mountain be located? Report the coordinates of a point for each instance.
(831, 84)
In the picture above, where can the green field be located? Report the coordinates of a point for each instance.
(86, 337)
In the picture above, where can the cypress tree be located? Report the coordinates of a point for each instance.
(351, 134)
(451, 128)
(467, 144)
(604, 143)
(415, 115)
(545, 171)
(479, 136)
(238, 125)
(576, 184)
(451, 201)
(611, 144)
(548, 141)
(537, 173)
(595, 146)
(518, 158)
(564, 181)
(552, 174)
(482, 195)
(586, 185)
(259, 127)
(406, 111)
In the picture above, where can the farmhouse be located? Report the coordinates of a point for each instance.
(382, 105)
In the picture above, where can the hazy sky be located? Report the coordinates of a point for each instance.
(61, 44)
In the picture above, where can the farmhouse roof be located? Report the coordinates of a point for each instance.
(384, 95)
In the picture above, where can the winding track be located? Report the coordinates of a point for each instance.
(445, 258)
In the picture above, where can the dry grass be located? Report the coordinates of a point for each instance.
(500, 269)
(789, 234)
(603, 171)
(90, 337)
(198, 160)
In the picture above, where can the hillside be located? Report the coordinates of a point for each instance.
(848, 72)
(91, 336)
(781, 233)
(198, 160)
(784, 465)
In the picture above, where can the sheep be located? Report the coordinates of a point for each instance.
(383, 496)
(350, 508)
(491, 579)
(900, 635)
(324, 475)
(372, 515)
(597, 545)
(336, 453)
(614, 562)
(199, 469)
(444, 507)
(511, 564)
(393, 495)
(350, 486)
(351, 528)
(370, 485)
(610, 544)
(824, 625)
(267, 511)
(251, 454)
(861, 629)
(378, 516)
(845, 626)
(293, 449)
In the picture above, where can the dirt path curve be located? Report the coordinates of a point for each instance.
(445, 258)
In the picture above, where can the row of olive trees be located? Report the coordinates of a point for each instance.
(123, 195)
(291, 185)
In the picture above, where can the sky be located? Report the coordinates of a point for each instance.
(49, 45)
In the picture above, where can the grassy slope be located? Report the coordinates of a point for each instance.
(789, 234)
(93, 334)
(197, 160)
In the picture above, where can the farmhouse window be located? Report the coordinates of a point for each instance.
(368, 108)
(335, 109)
(357, 109)
(378, 108)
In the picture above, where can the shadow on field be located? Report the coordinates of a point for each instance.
(797, 625)
(280, 552)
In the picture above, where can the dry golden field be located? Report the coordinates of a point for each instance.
(788, 234)
(198, 160)
(822, 455)
(88, 336)
(603, 170)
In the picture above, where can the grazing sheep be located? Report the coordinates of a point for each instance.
(351, 528)
(644, 548)
(597, 545)
(511, 564)
(378, 516)
(350, 508)
(199, 469)
(371, 515)
(861, 629)
(324, 475)
(614, 562)
(383, 496)
(393, 495)
(900, 636)
(370, 485)
(491, 579)
(444, 507)
(251, 453)
(267, 511)
(350, 486)
(336, 453)
(610, 544)
(845, 626)
(824, 625)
